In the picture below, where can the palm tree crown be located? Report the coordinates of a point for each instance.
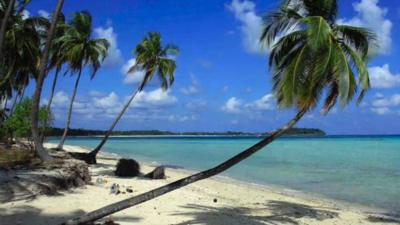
(78, 45)
(312, 54)
(153, 58)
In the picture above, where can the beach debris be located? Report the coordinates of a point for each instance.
(114, 189)
(127, 168)
(215, 200)
(157, 173)
(129, 190)
(101, 181)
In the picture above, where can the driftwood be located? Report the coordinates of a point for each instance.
(157, 173)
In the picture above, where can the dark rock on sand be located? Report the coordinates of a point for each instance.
(127, 168)
(157, 173)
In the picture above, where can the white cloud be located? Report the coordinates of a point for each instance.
(174, 118)
(251, 24)
(191, 89)
(26, 14)
(155, 98)
(44, 13)
(100, 105)
(381, 77)
(110, 100)
(267, 102)
(114, 57)
(233, 105)
(370, 15)
(382, 105)
(133, 77)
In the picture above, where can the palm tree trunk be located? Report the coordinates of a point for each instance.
(5, 103)
(21, 97)
(39, 85)
(3, 27)
(53, 88)
(107, 135)
(118, 206)
(71, 105)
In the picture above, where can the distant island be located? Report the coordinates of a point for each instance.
(54, 131)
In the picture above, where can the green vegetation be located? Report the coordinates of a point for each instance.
(19, 125)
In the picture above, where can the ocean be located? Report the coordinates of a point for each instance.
(357, 169)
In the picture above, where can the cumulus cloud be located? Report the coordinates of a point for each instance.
(235, 105)
(370, 15)
(114, 57)
(103, 105)
(251, 24)
(133, 77)
(382, 77)
(384, 105)
(184, 118)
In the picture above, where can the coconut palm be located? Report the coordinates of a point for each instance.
(57, 57)
(152, 59)
(312, 55)
(81, 49)
(7, 8)
(39, 85)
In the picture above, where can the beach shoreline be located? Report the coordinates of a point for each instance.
(237, 202)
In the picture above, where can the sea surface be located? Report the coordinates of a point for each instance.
(357, 169)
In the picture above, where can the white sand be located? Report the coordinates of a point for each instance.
(237, 203)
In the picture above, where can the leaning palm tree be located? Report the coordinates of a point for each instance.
(39, 85)
(81, 49)
(153, 59)
(57, 57)
(312, 55)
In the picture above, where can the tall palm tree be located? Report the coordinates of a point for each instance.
(9, 7)
(81, 49)
(313, 55)
(153, 59)
(57, 56)
(39, 85)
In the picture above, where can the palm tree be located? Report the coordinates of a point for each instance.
(57, 56)
(152, 58)
(39, 85)
(81, 50)
(6, 15)
(313, 55)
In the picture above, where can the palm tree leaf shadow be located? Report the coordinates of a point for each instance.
(274, 212)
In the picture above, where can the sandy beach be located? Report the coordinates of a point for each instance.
(214, 201)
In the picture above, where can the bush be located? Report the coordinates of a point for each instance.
(127, 168)
(19, 124)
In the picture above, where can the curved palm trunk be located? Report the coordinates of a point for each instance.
(3, 27)
(92, 154)
(39, 85)
(71, 105)
(118, 206)
(53, 88)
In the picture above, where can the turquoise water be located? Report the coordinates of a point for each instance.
(363, 170)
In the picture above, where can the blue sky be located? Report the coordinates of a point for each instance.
(222, 79)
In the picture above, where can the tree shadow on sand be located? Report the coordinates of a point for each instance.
(274, 212)
(34, 216)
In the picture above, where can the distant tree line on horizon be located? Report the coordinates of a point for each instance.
(54, 131)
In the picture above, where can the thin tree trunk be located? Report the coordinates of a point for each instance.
(22, 95)
(14, 104)
(71, 105)
(121, 205)
(3, 27)
(107, 135)
(39, 85)
(53, 88)
(5, 103)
